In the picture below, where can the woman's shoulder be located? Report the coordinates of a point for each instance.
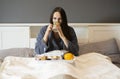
(43, 28)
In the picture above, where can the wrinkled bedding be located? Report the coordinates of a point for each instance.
(87, 66)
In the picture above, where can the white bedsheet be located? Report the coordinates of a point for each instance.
(88, 66)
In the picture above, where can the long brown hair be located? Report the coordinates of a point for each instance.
(64, 24)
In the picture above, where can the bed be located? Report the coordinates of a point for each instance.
(87, 66)
(99, 58)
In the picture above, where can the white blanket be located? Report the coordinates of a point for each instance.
(88, 66)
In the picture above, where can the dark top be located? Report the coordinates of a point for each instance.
(53, 44)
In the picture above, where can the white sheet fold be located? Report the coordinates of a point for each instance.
(88, 66)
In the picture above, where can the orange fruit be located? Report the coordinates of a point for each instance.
(68, 56)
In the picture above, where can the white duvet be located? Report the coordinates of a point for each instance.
(88, 66)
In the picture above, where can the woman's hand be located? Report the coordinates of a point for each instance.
(49, 29)
(60, 32)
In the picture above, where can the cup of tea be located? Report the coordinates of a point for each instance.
(55, 24)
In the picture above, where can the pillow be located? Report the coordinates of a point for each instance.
(104, 47)
(107, 47)
(117, 64)
(21, 52)
(115, 59)
(1, 60)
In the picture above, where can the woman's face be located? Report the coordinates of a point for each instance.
(57, 17)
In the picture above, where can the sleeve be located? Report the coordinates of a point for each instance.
(73, 43)
(41, 46)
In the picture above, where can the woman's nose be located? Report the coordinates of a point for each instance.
(57, 20)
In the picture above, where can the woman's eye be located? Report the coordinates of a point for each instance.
(54, 18)
(59, 19)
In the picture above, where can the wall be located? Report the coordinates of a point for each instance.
(78, 11)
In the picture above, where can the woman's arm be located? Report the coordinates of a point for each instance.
(41, 44)
(49, 29)
(73, 43)
(70, 45)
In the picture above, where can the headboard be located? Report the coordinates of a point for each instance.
(98, 32)
(93, 32)
(26, 33)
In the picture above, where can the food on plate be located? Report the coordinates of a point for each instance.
(66, 55)
(48, 57)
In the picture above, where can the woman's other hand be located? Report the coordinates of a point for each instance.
(60, 32)
(62, 36)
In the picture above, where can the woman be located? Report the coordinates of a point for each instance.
(64, 38)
